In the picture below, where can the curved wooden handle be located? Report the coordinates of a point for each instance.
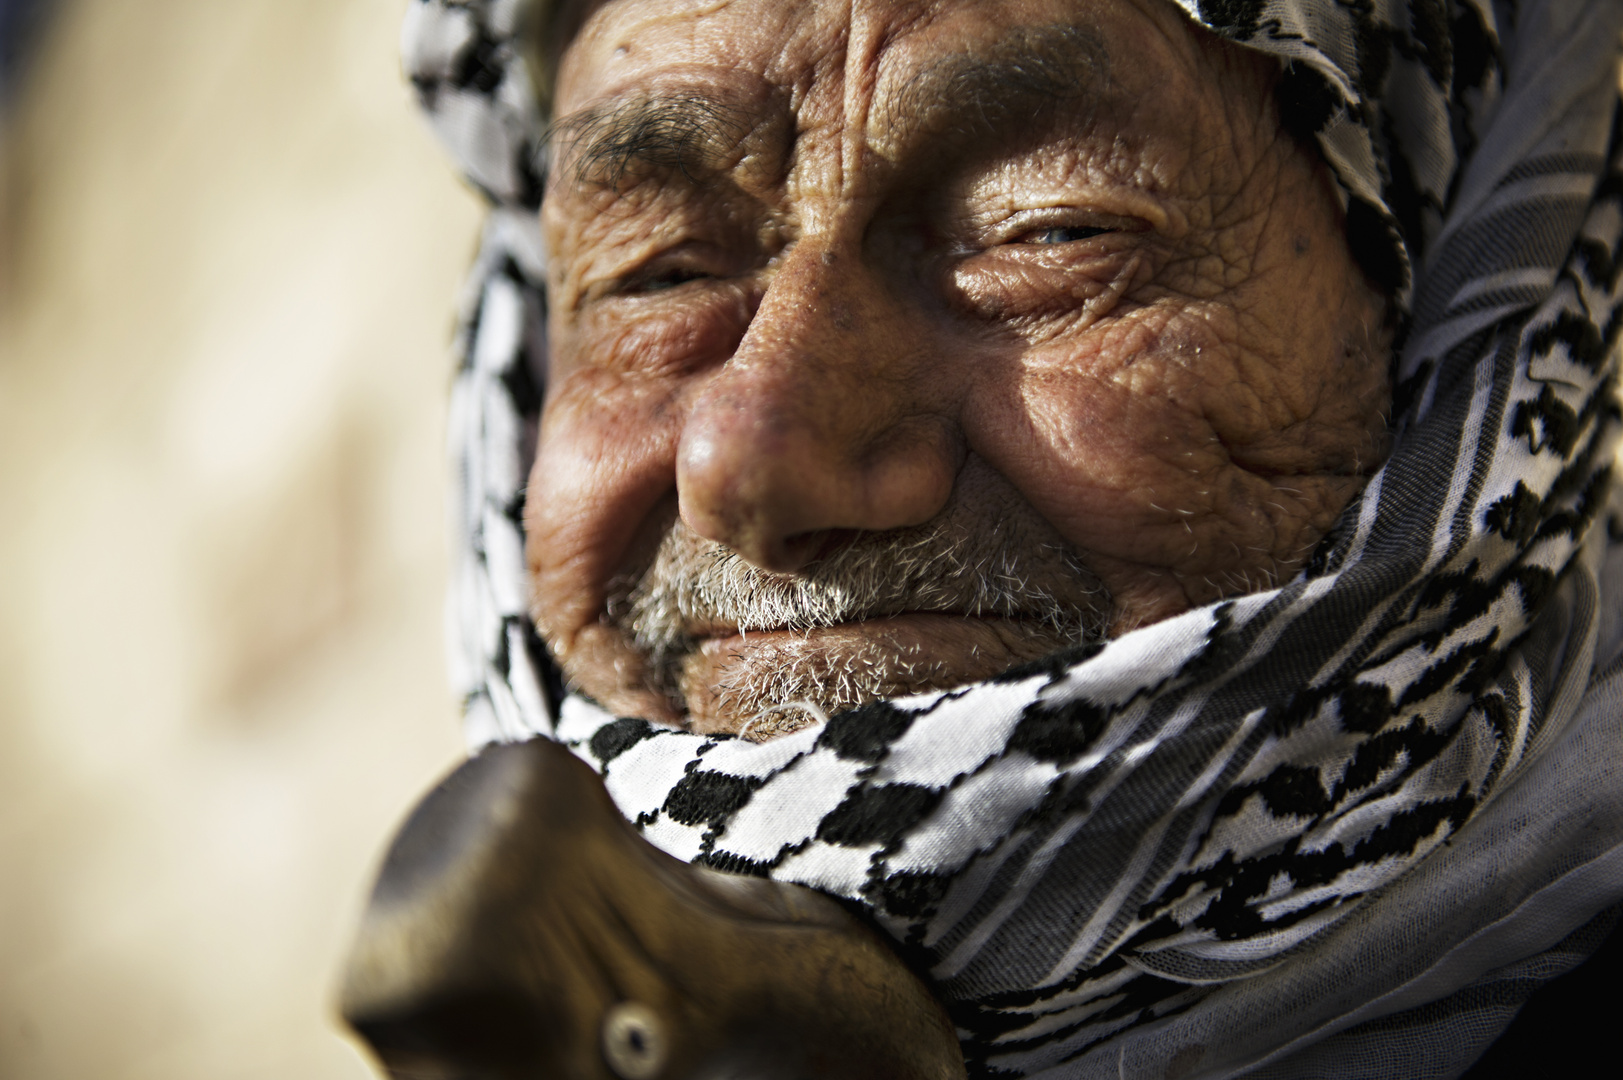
(521, 928)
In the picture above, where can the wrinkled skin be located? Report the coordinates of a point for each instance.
(1121, 316)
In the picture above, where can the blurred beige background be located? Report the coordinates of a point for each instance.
(228, 257)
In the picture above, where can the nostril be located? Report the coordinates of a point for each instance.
(634, 1041)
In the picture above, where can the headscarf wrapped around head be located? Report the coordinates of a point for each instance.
(1238, 838)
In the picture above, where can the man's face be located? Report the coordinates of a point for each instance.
(894, 343)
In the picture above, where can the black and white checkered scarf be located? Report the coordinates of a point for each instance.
(1237, 839)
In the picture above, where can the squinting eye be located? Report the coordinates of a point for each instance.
(1063, 234)
(668, 279)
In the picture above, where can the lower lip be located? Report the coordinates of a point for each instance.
(938, 652)
(935, 652)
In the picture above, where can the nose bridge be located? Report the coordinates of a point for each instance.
(823, 419)
(822, 334)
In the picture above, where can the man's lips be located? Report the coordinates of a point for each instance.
(723, 638)
(895, 654)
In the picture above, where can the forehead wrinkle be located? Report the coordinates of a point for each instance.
(989, 90)
(871, 33)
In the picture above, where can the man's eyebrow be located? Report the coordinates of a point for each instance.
(987, 91)
(982, 92)
(684, 133)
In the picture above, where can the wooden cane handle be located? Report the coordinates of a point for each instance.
(521, 928)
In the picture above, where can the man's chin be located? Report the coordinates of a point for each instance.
(763, 684)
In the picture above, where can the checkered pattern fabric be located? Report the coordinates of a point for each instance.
(1092, 852)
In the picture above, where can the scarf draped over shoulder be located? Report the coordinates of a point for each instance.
(1235, 839)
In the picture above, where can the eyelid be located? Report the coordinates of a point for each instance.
(1127, 205)
(1023, 222)
(702, 260)
(653, 277)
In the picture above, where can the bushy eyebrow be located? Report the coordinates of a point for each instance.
(992, 90)
(684, 133)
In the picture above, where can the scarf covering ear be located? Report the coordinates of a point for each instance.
(1237, 839)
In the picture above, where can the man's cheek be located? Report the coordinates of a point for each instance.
(606, 459)
(1110, 439)
(1109, 465)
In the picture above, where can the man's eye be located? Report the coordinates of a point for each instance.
(1061, 234)
(664, 279)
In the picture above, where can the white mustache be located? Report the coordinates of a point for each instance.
(696, 587)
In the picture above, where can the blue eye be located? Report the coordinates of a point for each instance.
(1062, 234)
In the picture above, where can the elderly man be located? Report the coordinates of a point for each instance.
(894, 345)
(1135, 475)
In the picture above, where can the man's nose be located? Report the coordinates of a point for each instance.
(826, 417)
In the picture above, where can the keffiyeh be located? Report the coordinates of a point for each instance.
(1245, 838)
